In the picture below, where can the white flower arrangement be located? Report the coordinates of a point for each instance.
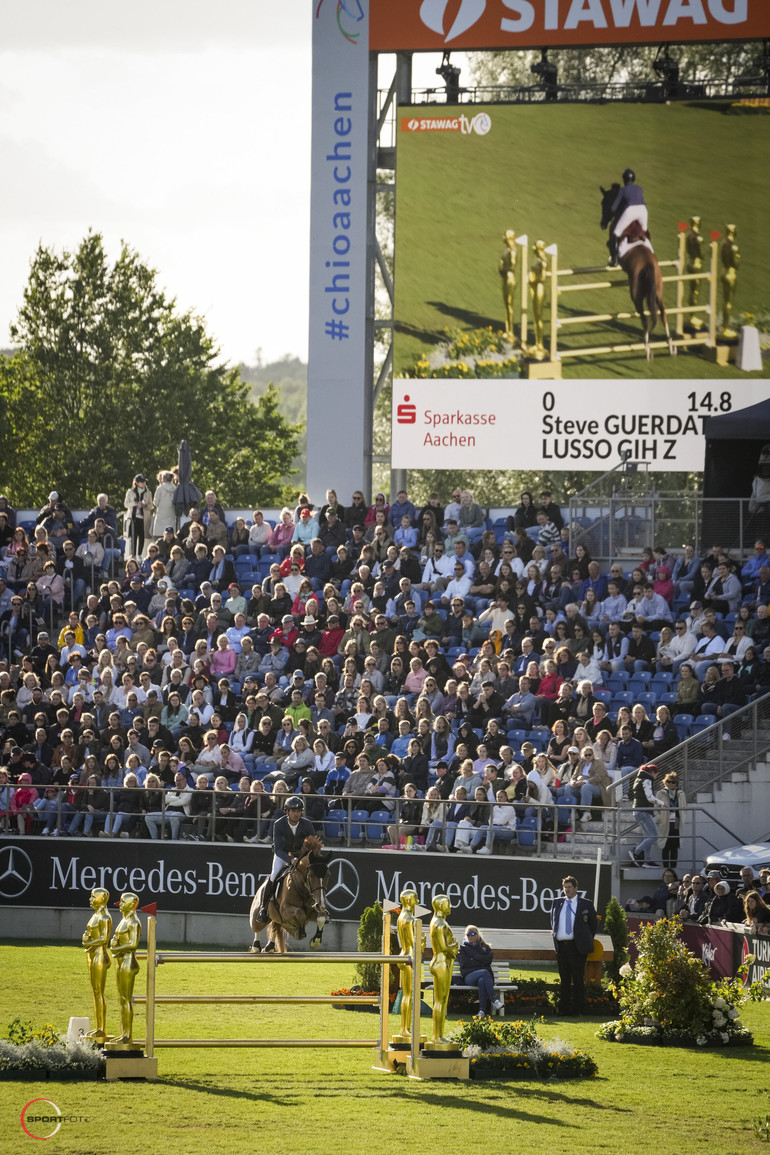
(36, 1055)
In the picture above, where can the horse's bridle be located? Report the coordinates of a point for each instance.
(309, 891)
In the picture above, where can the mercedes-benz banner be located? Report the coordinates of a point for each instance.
(505, 893)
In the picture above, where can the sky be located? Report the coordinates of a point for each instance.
(179, 126)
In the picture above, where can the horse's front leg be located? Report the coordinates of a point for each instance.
(315, 942)
(671, 346)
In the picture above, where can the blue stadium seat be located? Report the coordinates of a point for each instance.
(648, 699)
(376, 826)
(358, 820)
(527, 831)
(334, 823)
(683, 723)
(516, 737)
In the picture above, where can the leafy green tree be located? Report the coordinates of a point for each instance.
(724, 60)
(616, 926)
(108, 376)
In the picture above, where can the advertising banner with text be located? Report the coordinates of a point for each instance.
(554, 425)
(337, 347)
(435, 25)
(515, 893)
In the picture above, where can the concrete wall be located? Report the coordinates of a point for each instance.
(230, 932)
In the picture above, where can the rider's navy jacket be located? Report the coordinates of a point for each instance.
(630, 194)
(286, 841)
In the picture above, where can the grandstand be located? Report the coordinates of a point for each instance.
(418, 616)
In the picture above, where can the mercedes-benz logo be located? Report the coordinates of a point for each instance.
(344, 885)
(15, 872)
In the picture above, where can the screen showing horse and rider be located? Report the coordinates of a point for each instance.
(499, 212)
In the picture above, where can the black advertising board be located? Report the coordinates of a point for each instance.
(505, 893)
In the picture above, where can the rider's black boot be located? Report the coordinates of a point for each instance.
(267, 894)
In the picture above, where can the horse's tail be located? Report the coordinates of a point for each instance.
(651, 290)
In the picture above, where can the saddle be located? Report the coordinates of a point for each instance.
(635, 235)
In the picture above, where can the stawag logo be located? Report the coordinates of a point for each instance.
(433, 15)
(480, 124)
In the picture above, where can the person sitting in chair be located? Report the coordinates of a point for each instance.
(289, 834)
(628, 206)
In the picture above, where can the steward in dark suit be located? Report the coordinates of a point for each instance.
(573, 922)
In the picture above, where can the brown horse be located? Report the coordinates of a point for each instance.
(645, 281)
(300, 896)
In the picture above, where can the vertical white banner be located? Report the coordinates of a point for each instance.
(336, 402)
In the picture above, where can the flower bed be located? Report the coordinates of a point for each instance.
(355, 992)
(652, 1036)
(536, 996)
(668, 998)
(41, 1053)
(514, 1050)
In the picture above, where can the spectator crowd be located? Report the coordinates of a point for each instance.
(459, 681)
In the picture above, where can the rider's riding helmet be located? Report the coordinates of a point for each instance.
(295, 803)
(629, 176)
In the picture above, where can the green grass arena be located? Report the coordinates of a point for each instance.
(654, 1101)
(538, 171)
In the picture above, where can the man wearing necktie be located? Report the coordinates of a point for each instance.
(573, 922)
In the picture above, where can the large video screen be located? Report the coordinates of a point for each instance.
(468, 174)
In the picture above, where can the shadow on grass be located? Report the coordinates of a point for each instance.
(426, 336)
(466, 316)
(396, 1087)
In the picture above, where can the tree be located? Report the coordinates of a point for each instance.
(616, 927)
(107, 378)
(724, 60)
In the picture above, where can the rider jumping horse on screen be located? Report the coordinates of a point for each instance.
(627, 208)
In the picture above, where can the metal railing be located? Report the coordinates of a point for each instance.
(728, 746)
(622, 513)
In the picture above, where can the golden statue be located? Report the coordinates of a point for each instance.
(445, 948)
(95, 939)
(537, 277)
(731, 259)
(405, 929)
(506, 267)
(693, 245)
(123, 947)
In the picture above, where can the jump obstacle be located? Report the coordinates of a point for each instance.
(556, 276)
(384, 1054)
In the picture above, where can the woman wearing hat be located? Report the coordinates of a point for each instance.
(475, 961)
